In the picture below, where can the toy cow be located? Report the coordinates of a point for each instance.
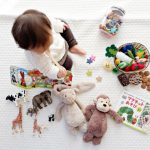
(18, 97)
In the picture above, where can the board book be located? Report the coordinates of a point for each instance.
(34, 78)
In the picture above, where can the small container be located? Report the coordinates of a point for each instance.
(112, 21)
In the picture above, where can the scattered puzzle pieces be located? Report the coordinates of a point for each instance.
(98, 79)
(91, 59)
(89, 73)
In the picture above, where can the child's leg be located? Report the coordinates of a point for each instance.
(68, 63)
(70, 39)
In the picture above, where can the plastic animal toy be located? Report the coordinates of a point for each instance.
(18, 97)
(42, 98)
(37, 128)
(18, 122)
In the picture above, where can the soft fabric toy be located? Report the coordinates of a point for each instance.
(96, 115)
(71, 107)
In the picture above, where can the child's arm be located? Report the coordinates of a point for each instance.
(58, 25)
(62, 71)
(44, 65)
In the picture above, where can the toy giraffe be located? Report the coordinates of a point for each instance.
(18, 121)
(36, 127)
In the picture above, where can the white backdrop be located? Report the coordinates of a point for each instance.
(84, 17)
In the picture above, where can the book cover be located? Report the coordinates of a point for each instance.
(135, 112)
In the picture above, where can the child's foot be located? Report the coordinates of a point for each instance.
(77, 50)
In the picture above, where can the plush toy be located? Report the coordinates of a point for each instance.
(96, 115)
(71, 107)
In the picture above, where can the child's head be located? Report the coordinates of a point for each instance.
(32, 31)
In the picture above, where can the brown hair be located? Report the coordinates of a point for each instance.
(30, 29)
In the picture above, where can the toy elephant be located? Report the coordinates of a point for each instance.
(42, 98)
(71, 107)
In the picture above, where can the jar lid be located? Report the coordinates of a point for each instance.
(119, 10)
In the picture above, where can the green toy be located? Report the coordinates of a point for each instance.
(111, 51)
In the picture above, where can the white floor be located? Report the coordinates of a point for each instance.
(84, 17)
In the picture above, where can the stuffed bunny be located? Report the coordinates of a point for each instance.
(96, 115)
(71, 107)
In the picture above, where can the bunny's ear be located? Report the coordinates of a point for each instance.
(84, 87)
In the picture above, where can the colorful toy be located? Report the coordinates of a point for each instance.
(123, 57)
(111, 51)
(42, 98)
(112, 21)
(115, 70)
(18, 98)
(89, 73)
(96, 115)
(70, 107)
(135, 78)
(123, 79)
(123, 65)
(107, 65)
(91, 59)
(145, 80)
(130, 57)
(18, 122)
(34, 78)
(117, 61)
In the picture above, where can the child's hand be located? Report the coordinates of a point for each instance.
(62, 72)
(66, 26)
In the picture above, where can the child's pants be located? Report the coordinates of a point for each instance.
(67, 34)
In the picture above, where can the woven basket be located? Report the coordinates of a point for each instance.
(137, 46)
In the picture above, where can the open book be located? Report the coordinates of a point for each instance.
(34, 78)
(135, 112)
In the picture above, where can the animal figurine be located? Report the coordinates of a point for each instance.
(51, 118)
(18, 122)
(42, 98)
(31, 111)
(18, 97)
(37, 128)
(70, 107)
(23, 83)
(96, 115)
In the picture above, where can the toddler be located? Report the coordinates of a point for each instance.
(46, 42)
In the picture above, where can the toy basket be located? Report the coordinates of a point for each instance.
(137, 46)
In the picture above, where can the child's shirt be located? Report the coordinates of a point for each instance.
(58, 49)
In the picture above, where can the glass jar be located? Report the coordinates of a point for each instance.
(112, 21)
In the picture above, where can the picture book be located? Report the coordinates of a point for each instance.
(135, 112)
(34, 78)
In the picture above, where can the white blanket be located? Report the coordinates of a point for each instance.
(57, 137)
